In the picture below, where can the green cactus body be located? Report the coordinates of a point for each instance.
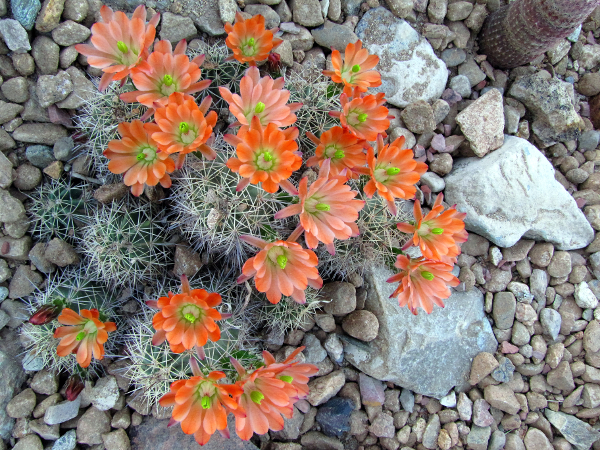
(56, 208)
(126, 244)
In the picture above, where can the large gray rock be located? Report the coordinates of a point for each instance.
(14, 36)
(552, 103)
(205, 14)
(11, 378)
(512, 193)
(576, 431)
(409, 69)
(444, 341)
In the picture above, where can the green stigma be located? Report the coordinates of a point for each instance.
(122, 47)
(140, 157)
(286, 378)
(267, 156)
(427, 275)
(437, 230)
(80, 336)
(355, 68)
(339, 154)
(206, 402)
(184, 127)
(282, 261)
(167, 80)
(189, 317)
(392, 171)
(257, 397)
(251, 41)
(362, 117)
(322, 207)
(260, 107)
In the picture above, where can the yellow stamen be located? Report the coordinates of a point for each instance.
(260, 107)
(184, 127)
(437, 230)
(427, 275)
(282, 261)
(122, 47)
(257, 397)
(393, 171)
(322, 207)
(167, 80)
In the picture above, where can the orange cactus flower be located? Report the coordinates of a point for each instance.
(118, 43)
(364, 115)
(295, 373)
(166, 71)
(201, 404)
(137, 155)
(261, 97)
(354, 71)
(343, 148)
(265, 155)
(281, 268)
(183, 127)
(186, 320)
(394, 172)
(84, 335)
(249, 40)
(422, 283)
(327, 209)
(439, 232)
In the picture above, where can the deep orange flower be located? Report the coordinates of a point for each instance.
(201, 404)
(119, 44)
(344, 149)
(184, 127)
(354, 71)
(422, 283)
(136, 154)
(281, 268)
(249, 40)
(394, 172)
(187, 320)
(269, 393)
(364, 115)
(166, 71)
(84, 335)
(327, 209)
(261, 97)
(439, 232)
(265, 155)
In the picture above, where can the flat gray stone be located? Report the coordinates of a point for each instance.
(444, 341)
(14, 36)
(512, 193)
(576, 431)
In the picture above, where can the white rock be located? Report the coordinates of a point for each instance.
(105, 393)
(512, 193)
(584, 297)
(409, 68)
(449, 401)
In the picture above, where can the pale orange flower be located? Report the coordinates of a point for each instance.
(354, 71)
(270, 392)
(423, 283)
(137, 155)
(281, 268)
(394, 172)
(261, 97)
(186, 320)
(439, 232)
(327, 209)
(265, 155)
(343, 148)
(166, 71)
(119, 44)
(201, 404)
(84, 335)
(364, 115)
(249, 40)
(184, 127)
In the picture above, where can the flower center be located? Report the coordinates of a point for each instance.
(167, 80)
(265, 161)
(206, 402)
(80, 336)
(437, 230)
(190, 317)
(322, 207)
(427, 275)
(286, 378)
(257, 397)
(355, 68)
(184, 127)
(339, 154)
(122, 47)
(248, 49)
(146, 154)
(282, 261)
(363, 117)
(392, 171)
(191, 313)
(260, 107)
